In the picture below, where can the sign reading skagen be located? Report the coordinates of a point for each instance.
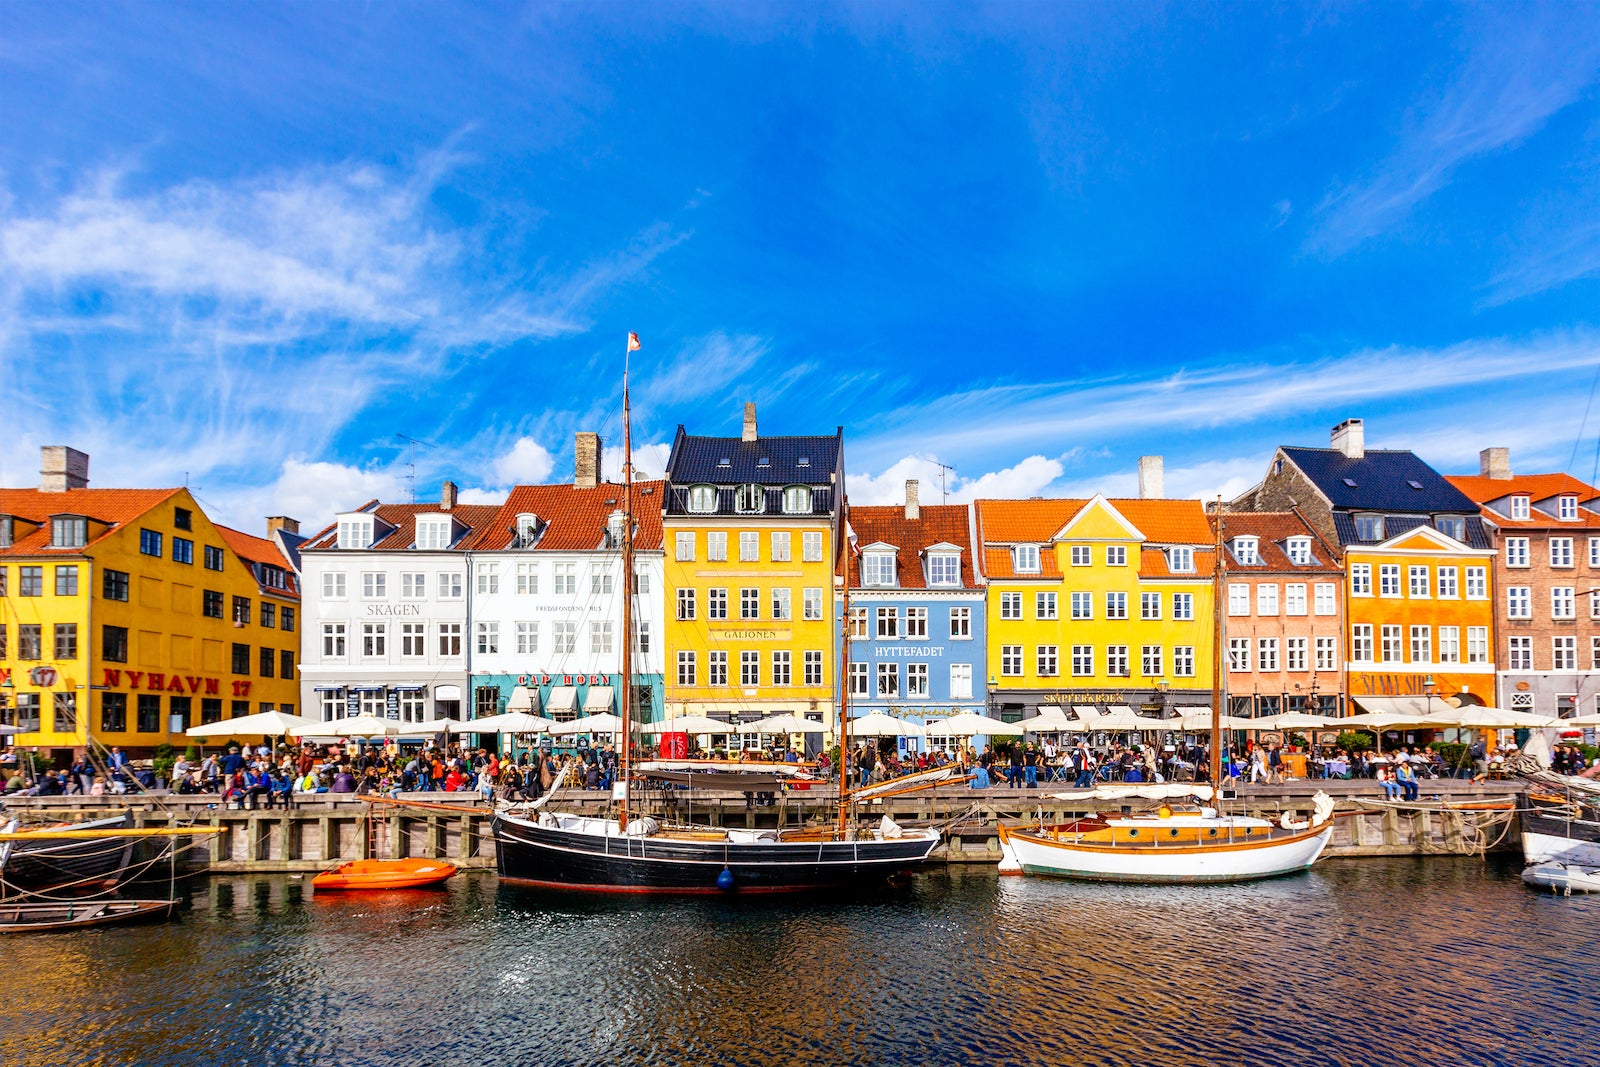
(746, 634)
(394, 609)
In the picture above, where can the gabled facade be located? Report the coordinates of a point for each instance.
(386, 598)
(128, 616)
(547, 597)
(917, 622)
(1417, 561)
(750, 529)
(1097, 602)
(1545, 530)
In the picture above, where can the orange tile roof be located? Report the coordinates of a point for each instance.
(112, 507)
(1536, 487)
(1175, 522)
(997, 564)
(576, 516)
(402, 518)
(1273, 528)
(938, 524)
(254, 549)
(1153, 564)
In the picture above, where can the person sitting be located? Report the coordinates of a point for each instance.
(1391, 788)
(1406, 775)
(282, 788)
(257, 785)
(343, 781)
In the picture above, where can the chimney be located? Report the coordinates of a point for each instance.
(749, 421)
(586, 459)
(62, 468)
(1152, 478)
(447, 496)
(282, 522)
(1495, 463)
(1350, 437)
(913, 505)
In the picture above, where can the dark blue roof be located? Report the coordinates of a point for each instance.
(1382, 481)
(700, 460)
(1344, 525)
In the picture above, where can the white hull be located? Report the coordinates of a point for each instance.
(1563, 878)
(1548, 848)
(1131, 863)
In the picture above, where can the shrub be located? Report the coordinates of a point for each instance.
(1354, 741)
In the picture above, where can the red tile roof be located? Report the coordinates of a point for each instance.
(254, 549)
(401, 518)
(997, 564)
(1536, 487)
(938, 524)
(576, 516)
(1165, 522)
(1272, 529)
(110, 507)
(1153, 564)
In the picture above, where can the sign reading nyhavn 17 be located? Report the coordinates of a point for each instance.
(161, 682)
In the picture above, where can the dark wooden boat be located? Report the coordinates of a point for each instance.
(75, 915)
(62, 865)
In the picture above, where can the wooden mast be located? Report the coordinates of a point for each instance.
(627, 591)
(1216, 661)
(844, 679)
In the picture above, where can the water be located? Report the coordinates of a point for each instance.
(1442, 961)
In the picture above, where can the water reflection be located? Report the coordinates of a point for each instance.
(1451, 957)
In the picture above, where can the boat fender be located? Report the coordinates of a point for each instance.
(725, 880)
(1164, 812)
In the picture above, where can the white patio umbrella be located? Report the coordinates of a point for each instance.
(603, 723)
(689, 724)
(266, 723)
(877, 724)
(1378, 720)
(1476, 717)
(431, 727)
(1052, 720)
(789, 724)
(356, 726)
(512, 722)
(1292, 720)
(1200, 719)
(1122, 717)
(1580, 721)
(969, 723)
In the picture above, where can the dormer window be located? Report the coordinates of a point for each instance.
(1299, 550)
(1244, 550)
(433, 533)
(527, 530)
(616, 525)
(877, 568)
(69, 531)
(702, 499)
(751, 499)
(944, 568)
(797, 500)
(1567, 508)
(1451, 526)
(1180, 559)
(1025, 558)
(1369, 527)
(803, 461)
(1519, 508)
(355, 532)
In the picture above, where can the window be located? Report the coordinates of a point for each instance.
(917, 623)
(488, 578)
(1519, 604)
(1267, 654)
(1564, 653)
(1244, 550)
(601, 580)
(1117, 661)
(686, 665)
(333, 637)
(1082, 606)
(148, 720)
(1451, 526)
(1392, 648)
(813, 667)
(685, 603)
(601, 637)
(182, 550)
(749, 669)
(1082, 661)
(1294, 653)
(1149, 605)
(65, 707)
(1328, 655)
(268, 662)
(1560, 551)
(1419, 582)
(1477, 644)
(1116, 605)
(1389, 579)
(565, 578)
(1025, 558)
(1150, 661)
(1422, 644)
(114, 585)
(1516, 552)
(1294, 598)
(811, 546)
(702, 501)
(67, 580)
(858, 679)
(211, 603)
(889, 622)
(1361, 642)
(961, 622)
(1520, 653)
(1594, 661)
(113, 713)
(333, 586)
(1325, 603)
(241, 610)
(749, 546)
(960, 681)
(780, 546)
(751, 499)
(781, 608)
(749, 602)
(716, 668)
(878, 568)
(1180, 560)
(113, 644)
(413, 638)
(564, 638)
(1562, 604)
(1369, 527)
(69, 531)
(717, 603)
(1183, 606)
(1238, 598)
(889, 680)
(1183, 661)
(1299, 550)
(1011, 661)
(683, 541)
(1267, 599)
(1361, 579)
(1519, 507)
(944, 568)
(1567, 508)
(1045, 657)
(1011, 606)
(30, 641)
(1044, 606)
(269, 614)
(449, 639)
(375, 585)
(812, 597)
(1116, 555)
(28, 711)
(434, 534)
(241, 659)
(413, 586)
(149, 543)
(1082, 556)
(375, 639)
(65, 645)
(1448, 588)
(716, 546)
(30, 581)
(641, 582)
(797, 500)
(1477, 583)
(1594, 551)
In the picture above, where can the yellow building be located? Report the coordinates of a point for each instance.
(750, 527)
(1097, 602)
(129, 616)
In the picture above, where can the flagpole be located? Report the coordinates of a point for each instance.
(627, 588)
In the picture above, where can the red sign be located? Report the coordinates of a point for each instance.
(566, 679)
(160, 682)
(42, 676)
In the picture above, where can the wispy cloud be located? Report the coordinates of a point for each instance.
(1573, 255)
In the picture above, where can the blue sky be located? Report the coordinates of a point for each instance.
(248, 245)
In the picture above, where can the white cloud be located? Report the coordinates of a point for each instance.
(312, 491)
(1033, 476)
(527, 463)
(704, 366)
(649, 462)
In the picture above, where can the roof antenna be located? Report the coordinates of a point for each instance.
(944, 496)
(411, 464)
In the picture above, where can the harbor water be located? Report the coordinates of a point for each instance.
(1404, 961)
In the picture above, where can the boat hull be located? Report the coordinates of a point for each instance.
(43, 918)
(1547, 844)
(1563, 877)
(1271, 857)
(67, 866)
(557, 858)
(384, 874)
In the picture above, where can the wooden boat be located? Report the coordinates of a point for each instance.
(1563, 878)
(39, 860)
(74, 915)
(385, 874)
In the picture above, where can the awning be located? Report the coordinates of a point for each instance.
(409, 688)
(598, 699)
(523, 699)
(366, 688)
(328, 689)
(1417, 706)
(562, 698)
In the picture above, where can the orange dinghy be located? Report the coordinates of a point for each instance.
(385, 874)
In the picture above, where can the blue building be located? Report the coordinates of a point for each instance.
(916, 615)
